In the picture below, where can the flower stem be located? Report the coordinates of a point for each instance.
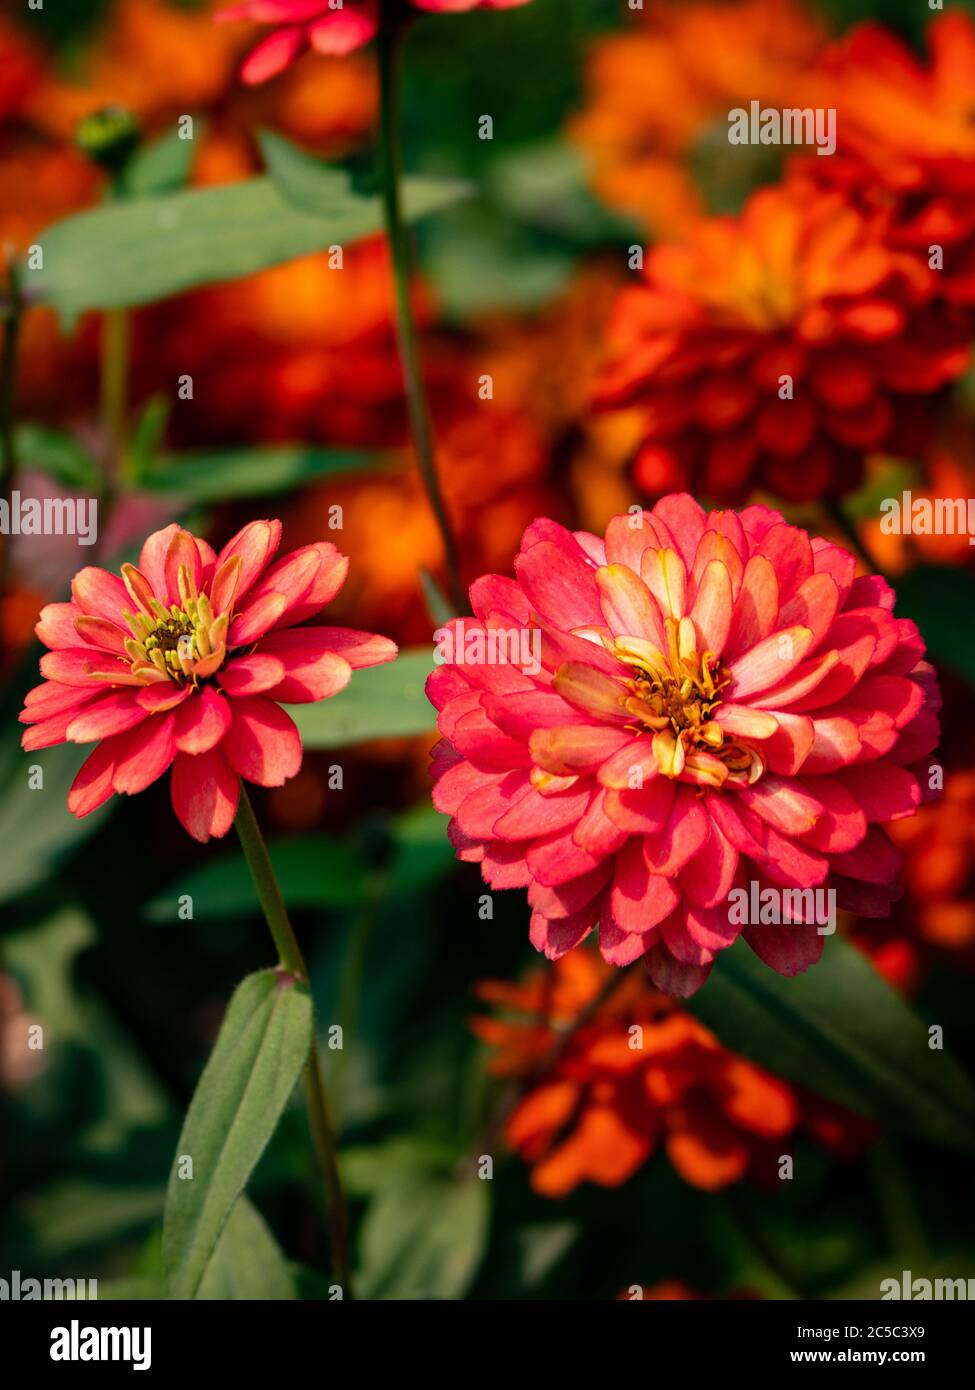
(292, 960)
(390, 54)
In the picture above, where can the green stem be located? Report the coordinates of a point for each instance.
(390, 54)
(115, 383)
(291, 959)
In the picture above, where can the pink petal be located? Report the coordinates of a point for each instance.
(146, 755)
(255, 543)
(684, 834)
(756, 607)
(112, 714)
(204, 792)
(627, 605)
(56, 625)
(639, 899)
(557, 858)
(494, 795)
(345, 30)
(557, 937)
(251, 675)
(789, 948)
(561, 587)
(202, 721)
(673, 976)
(711, 610)
(262, 744)
(99, 593)
(576, 748)
(256, 620)
(769, 662)
(93, 784)
(277, 52)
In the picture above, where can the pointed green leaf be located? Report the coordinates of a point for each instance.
(248, 1262)
(262, 1047)
(841, 1031)
(133, 252)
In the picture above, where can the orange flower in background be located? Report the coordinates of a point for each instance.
(655, 121)
(906, 139)
(936, 917)
(777, 348)
(638, 1075)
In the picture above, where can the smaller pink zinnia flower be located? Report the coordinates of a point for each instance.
(331, 27)
(180, 663)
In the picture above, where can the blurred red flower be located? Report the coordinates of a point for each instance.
(637, 725)
(181, 663)
(777, 348)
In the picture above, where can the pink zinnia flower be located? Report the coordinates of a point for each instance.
(181, 662)
(717, 701)
(331, 29)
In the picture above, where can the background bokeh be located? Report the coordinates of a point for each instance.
(609, 130)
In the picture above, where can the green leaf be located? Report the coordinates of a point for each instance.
(237, 473)
(426, 1229)
(313, 187)
(140, 250)
(941, 601)
(314, 872)
(36, 827)
(162, 166)
(248, 1262)
(380, 702)
(841, 1031)
(58, 454)
(246, 1084)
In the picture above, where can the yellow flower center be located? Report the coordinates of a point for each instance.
(184, 642)
(675, 695)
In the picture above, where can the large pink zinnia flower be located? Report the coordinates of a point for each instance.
(180, 662)
(717, 701)
(331, 29)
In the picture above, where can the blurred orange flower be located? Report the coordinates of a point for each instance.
(638, 1073)
(655, 122)
(936, 916)
(906, 140)
(777, 348)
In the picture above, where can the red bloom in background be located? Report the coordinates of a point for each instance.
(712, 700)
(639, 1075)
(906, 141)
(181, 662)
(777, 348)
(328, 28)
